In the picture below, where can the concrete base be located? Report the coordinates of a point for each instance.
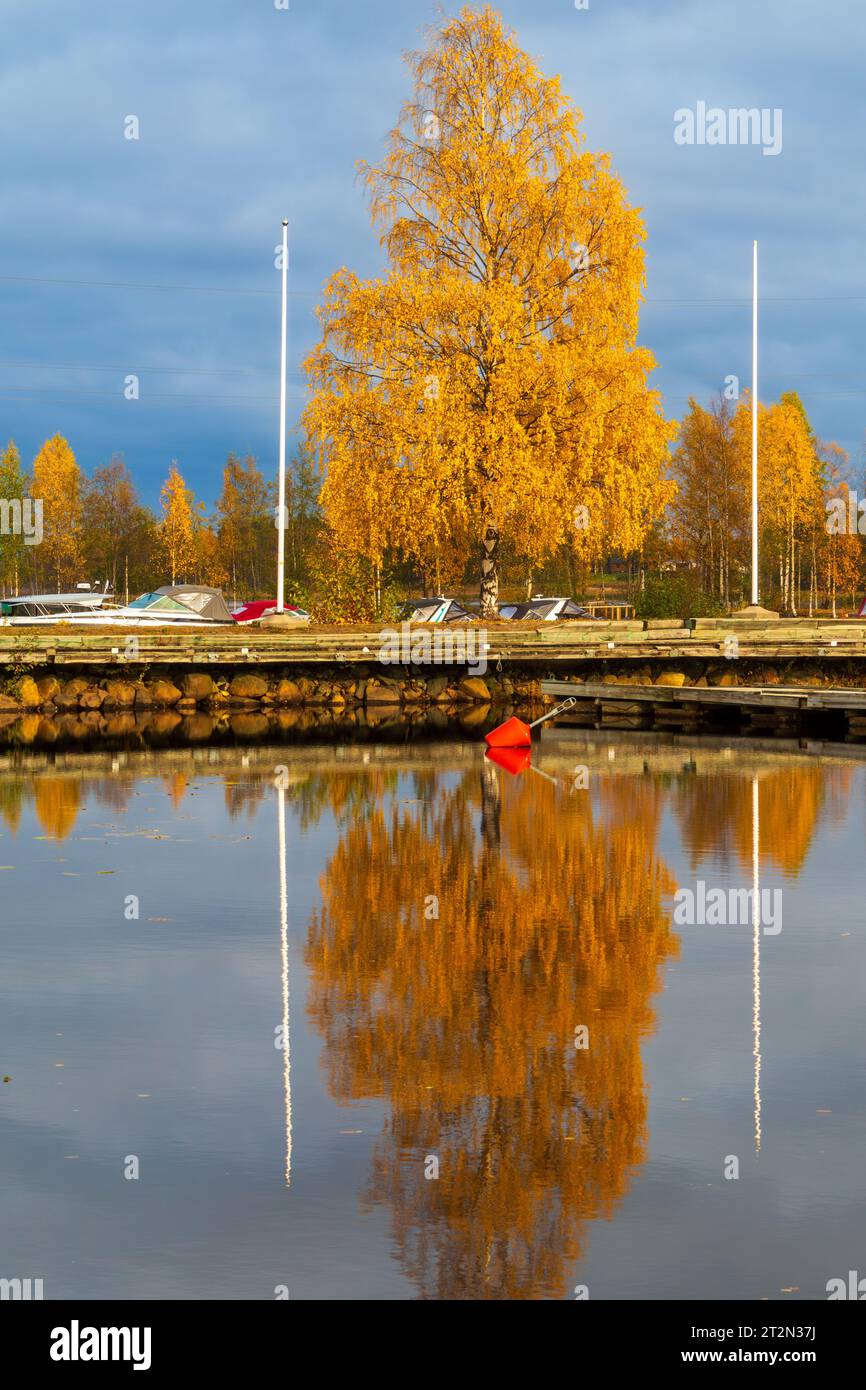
(281, 621)
(755, 611)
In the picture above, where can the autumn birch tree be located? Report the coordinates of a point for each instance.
(12, 544)
(178, 527)
(488, 383)
(58, 482)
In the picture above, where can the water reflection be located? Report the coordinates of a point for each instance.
(463, 939)
(469, 924)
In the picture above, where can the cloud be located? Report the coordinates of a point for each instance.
(248, 114)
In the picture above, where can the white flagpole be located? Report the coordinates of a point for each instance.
(281, 507)
(754, 423)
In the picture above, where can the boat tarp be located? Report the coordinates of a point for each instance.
(207, 603)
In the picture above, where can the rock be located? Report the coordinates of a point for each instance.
(379, 694)
(143, 697)
(436, 685)
(49, 689)
(8, 703)
(70, 694)
(247, 687)
(92, 698)
(163, 692)
(198, 686)
(119, 695)
(675, 678)
(26, 692)
(288, 693)
(722, 678)
(473, 688)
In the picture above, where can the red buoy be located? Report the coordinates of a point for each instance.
(512, 734)
(515, 734)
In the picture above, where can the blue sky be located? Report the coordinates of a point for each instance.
(248, 113)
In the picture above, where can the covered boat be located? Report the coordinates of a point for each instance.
(206, 602)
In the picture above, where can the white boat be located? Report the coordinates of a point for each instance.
(191, 605)
(53, 607)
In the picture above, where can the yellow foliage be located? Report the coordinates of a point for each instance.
(490, 378)
(177, 529)
(57, 480)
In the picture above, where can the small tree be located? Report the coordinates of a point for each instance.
(180, 520)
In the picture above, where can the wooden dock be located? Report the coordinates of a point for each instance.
(781, 706)
(520, 644)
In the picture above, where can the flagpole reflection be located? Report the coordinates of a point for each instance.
(284, 971)
(756, 956)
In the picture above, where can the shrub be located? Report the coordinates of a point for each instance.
(677, 596)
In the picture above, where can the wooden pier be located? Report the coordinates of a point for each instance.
(786, 708)
(631, 640)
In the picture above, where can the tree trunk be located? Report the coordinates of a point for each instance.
(489, 591)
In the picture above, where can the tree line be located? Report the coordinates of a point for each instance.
(810, 555)
(96, 528)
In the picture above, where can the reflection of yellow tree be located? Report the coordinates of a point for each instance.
(12, 795)
(466, 1022)
(176, 784)
(715, 812)
(58, 800)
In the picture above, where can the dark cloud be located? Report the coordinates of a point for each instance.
(249, 113)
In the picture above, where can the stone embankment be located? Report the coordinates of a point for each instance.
(114, 692)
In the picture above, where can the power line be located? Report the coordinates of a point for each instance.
(771, 299)
(312, 294)
(138, 285)
(126, 368)
(9, 391)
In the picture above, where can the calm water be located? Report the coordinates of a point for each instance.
(434, 935)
